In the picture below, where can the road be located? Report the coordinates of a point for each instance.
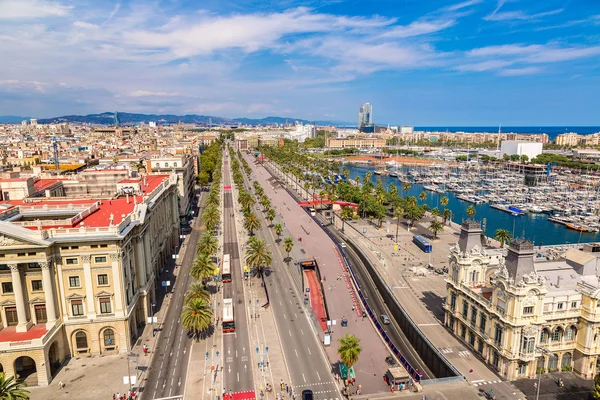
(306, 362)
(237, 371)
(168, 370)
(378, 306)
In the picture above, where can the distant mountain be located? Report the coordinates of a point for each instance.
(107, 118)
(11, 119)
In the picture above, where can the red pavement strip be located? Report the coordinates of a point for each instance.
(250, 395)
(316, 298)
(348, 284)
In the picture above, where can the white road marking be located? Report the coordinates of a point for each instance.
(295, 315)
(319, 376)
(238, 376)
(296, 351)
(284, 317)
(290, 332)
(303, 377)
(301, 331)
(309, 351)
(427, 324)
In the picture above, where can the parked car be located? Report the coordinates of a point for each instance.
(385, 319)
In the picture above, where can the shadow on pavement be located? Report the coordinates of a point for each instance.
(434, 302)
(575, 387)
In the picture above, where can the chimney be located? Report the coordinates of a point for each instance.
(558, 279)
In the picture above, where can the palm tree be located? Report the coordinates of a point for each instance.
(471, 211)
(447, 214)
(398, 213)
(436, 227)
(211, 217)
(346, 213)
(502, 235)
(197, 290)
(406, 186)
(423, 196)
(202, 268)
(246, 200)
(444, 201)
(435, 213)
(413, 214)
(252, 224)
(349, 349)
(208, 244)
(271, 215)
(288, 245)
(258, 255)
(11, 389)
(265, 202)
(196, 316)
(278, 228)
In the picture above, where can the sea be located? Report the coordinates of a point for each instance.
(534, 227)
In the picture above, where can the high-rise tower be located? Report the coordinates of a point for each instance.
(365, 118)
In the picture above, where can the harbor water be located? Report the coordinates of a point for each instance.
(534, 227)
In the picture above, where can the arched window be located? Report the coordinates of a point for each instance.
(81, 341)
(556, 334)
(175, 165)
(455, 273)
(109, 337)
(166, 165)
(566, 360)
(571, 333)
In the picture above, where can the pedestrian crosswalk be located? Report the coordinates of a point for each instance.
(314, 384)
(484, 382)
(450, 350)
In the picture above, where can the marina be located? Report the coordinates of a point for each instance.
(560, 208)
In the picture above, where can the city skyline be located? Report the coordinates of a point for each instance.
(469, 63)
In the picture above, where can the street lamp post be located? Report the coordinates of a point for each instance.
(152, 308)
(547, 352)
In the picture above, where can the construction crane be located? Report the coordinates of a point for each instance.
(55, 146)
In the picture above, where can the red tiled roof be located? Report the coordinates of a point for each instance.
(120, 207)
(43, 184)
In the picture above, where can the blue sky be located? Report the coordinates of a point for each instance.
(434, 63)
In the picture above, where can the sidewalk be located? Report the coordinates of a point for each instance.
(99, 377)
(317, 244)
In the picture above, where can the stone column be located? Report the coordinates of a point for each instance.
(24, 324)
(140, 268)
(48, 284)
(117, 282)
(89, 286)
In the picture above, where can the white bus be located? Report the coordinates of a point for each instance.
(228, 322)
(312, 210)
(226, 269)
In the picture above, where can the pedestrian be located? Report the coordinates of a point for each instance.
(60, 384)
(118, 396)
(114, 396)
(287, 389)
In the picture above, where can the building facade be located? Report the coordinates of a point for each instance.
(365, 118)
(78, 277)
(524, 314)
(356, 142)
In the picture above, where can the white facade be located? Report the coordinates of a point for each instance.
(406, 129)
(303, 132)
(365, 115)
(520, 147)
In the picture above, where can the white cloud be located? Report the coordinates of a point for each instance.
(497, 15)
(483, 66)
(30, 9)
(520, 71)
(462, 5)
(85, 25)
(536, 53)
(147, 93)
(417, 28)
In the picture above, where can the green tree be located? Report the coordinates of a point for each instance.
(252, 224)
(444, 201)
(447, 215)
(288, 245)
(196, 316)
(406, 186)
(271, 215)
(197, 290)
(413, 214)
(596, 390)
(471, 211)
(346, 213)
(502, 235)
(246, 199)
(278, 228)
(524, 158)
(208, 244)
(258, 255)
(349, 349)
(435, 213)
(203, 178)
(436, 227)
(202, 268)
(398, 213)
(11, 389)
(211, 217)
(423, 196)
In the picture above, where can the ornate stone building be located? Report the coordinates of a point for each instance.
(78, 277)
(522, 313)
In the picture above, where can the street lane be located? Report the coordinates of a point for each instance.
(238, 375)
(167, 373)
